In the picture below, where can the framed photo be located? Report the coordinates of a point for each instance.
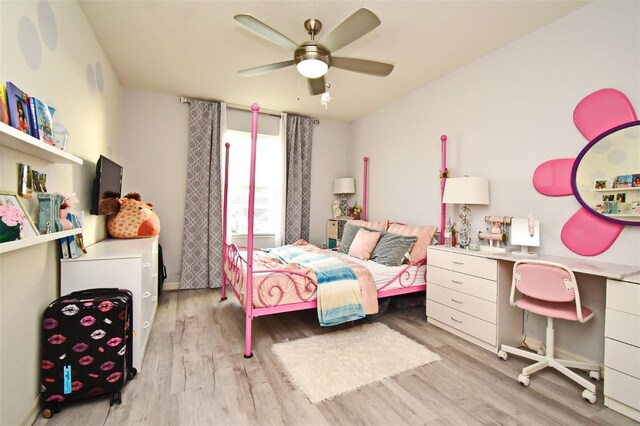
(15, 222)
(600, 184)
(636, 180)
(621, 197)
(19, 112)
(623, 181)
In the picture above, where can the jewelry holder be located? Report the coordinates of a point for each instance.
(497, 234)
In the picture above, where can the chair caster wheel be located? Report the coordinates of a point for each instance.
(524, 380)
(589, 396)
(502, 354)
(595, 375)
(47, 413)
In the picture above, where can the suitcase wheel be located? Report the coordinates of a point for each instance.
(48, 412)
(116, 397)
(131, 374)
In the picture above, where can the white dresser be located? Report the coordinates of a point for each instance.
(622, 347)
(127, 264)
(468, 295)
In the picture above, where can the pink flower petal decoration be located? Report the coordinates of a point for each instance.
(601, 111)
(553, 177)
(588, 235)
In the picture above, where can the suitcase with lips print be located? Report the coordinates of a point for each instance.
(87, 347)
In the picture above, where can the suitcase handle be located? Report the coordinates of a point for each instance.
(93, 291)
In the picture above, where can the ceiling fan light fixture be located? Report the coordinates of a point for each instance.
(312, 68)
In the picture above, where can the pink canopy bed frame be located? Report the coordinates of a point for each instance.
(269, 280)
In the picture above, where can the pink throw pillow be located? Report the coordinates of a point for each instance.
(424, 234)
(363, 244)
(381, 225)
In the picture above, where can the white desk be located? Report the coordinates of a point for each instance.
(468, 295)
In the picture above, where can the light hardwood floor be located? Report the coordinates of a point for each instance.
(194, 374)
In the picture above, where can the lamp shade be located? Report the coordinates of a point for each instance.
(344, 186)
(466, 190)
(312, 68)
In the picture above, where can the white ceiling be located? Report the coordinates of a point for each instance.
(195, 48)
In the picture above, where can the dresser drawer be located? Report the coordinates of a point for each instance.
(623, 296)
(332, 229)
(622, 357)
(622, 387)
(463, 302)
(468, 284)
(622, 326)
(468, 324)
(464, 263)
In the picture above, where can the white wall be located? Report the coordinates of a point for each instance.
(49, 51)
(154, 150)
(505, 114)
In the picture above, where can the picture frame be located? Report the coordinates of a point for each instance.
(600, 184)
(621, 197)
(623, 181)
(12, 213)
(635, 183)
(19, 111)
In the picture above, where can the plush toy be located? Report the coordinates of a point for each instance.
(135, 219)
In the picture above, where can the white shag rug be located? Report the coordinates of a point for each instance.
(334, 363)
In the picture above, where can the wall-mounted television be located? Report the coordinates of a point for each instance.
(107, 187)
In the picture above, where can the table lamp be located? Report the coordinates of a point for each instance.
(466, 190)
(342, 187)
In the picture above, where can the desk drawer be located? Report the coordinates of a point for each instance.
(474, 286)
(622, 357)
(621, 387)
(332, 229)
(622, 326)
(464, 263)
(463, 302)
(623, 296)
(468, 324)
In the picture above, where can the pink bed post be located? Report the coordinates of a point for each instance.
(443, 182)
(252, 190)
(365, 187)
(224, 220)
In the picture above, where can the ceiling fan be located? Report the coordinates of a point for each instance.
(313, 58)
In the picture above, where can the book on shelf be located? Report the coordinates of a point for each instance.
(19, 112)
(33, 121)
(64, 248)
(44, 123)
(4, 109)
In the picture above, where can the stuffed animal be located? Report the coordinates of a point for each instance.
(135, 219)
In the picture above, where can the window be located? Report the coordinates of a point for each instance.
(269, 184)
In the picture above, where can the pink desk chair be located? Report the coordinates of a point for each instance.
(551, 290)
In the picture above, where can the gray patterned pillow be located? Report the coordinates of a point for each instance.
(348, 234)
(391, 249)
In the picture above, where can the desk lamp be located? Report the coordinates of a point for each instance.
(342, 187)
(466, 190)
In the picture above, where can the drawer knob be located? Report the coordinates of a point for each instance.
(146, 324)
(455, 262)
(457, 282)
(154, 298)
(458, 321)
(455, 301)
(147, 294)
(146, 265)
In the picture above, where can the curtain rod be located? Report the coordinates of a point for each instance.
(273, 113)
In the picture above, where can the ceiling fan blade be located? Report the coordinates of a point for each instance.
(266, 31)
(264, 68)
(364, 66)
(317, 86)
(351, 29)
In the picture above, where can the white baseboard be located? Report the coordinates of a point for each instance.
(32, 415)
(171, 286)
(535, 345)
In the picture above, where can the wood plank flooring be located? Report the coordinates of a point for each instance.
(194, 374)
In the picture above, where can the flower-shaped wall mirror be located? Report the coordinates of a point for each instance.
(605, 177)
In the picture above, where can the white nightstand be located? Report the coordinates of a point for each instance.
(335, 227)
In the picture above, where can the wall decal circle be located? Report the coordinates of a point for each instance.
(29, 43)
(48, 24)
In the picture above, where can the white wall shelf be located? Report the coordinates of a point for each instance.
(15, 139)
(634, 188)
(28, 242)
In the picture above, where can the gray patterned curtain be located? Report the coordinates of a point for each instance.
(299, 137)
(202, 241)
